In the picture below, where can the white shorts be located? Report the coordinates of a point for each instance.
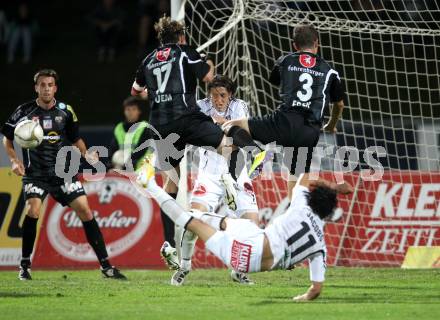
(209, 191)
(240, 246)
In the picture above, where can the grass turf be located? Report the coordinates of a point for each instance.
(349, 293)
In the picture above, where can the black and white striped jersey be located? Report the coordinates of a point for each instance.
(298, 234)
(307, 84)
(170, 75)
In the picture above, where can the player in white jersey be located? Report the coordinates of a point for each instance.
(214, 183)
(293, 237)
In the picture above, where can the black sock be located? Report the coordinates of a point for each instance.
(236, 164)
(241, 138)
(168, 225)
(96, 241)
(29, 233)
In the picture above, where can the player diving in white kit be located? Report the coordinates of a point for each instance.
(292, 237)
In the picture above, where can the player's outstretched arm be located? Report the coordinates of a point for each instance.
(16, 164)
(336, 114)
(312, 293)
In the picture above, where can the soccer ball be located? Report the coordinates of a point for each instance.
(118, 159)
(28, 134)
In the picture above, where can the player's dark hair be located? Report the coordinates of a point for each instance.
(304, 36)
(46, 73)
(322, 200)
(132, 101)
(168, 31)
(223, 81)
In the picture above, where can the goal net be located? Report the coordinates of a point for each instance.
(387, 55)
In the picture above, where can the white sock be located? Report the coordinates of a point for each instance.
(187, 249)
(212, 219)
(178, 235)
(171, 208)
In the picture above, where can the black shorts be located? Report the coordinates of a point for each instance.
(194, 128)
(64, 193)
(293, 131)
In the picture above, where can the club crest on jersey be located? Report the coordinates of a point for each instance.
(307, 61)
(47, 123)
(58, 119)
(163, 55)
(199, 190)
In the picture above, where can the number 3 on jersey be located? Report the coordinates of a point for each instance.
(162, 82)
(307, 87)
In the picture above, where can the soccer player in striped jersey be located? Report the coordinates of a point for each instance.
(307, 84)
(293, 237)
(214, 183)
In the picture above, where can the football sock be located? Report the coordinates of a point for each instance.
(168, 225)
(188, 244)
(169, 206)
(241, 138)
(29, 233)
(96, 241)
(236, 165)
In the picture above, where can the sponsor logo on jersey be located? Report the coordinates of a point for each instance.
(122, 226)
(47, 123)
(307, 61)
(163, 55)
(240, 256)
(52, 137)
(199, 190)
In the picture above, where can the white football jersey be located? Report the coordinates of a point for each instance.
(298, 234)
(211, 162)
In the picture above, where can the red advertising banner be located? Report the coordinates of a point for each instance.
(388, 216)
(379, 222)
(130, 224)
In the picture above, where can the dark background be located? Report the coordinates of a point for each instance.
(385, 103)
(66, 41)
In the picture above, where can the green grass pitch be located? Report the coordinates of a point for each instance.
(349, 293)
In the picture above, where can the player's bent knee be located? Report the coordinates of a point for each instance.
(199, 206)
(34, 205)
(85, 214)
(33, 214)
(252, 216)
